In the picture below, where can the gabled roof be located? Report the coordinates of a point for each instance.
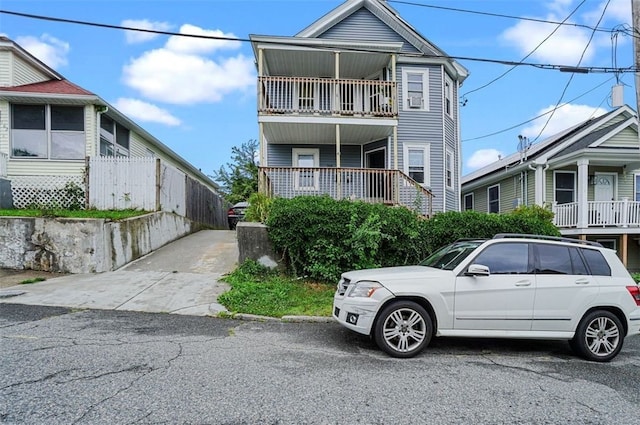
(49, 87)
(8, 44)
(574, 139)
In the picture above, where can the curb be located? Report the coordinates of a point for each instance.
(284, 319)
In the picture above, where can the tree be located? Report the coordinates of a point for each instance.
(238, 179)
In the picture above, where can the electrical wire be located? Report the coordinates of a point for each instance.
(566, 87)
(539, 116)
(524, 58)
(245, 40)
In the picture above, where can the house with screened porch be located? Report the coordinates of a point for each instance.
(587, 175)
(359, 105)
(58, 140)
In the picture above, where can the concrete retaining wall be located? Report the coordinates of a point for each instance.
(254, 244)
(68, 245)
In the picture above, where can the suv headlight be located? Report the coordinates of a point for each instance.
(364, 289)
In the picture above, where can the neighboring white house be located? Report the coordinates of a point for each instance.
(588, 175)
(54, 133)
(359, 105)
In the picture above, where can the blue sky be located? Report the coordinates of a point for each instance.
(199, 97)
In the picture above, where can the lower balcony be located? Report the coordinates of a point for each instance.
(391, 187)
(623, 213)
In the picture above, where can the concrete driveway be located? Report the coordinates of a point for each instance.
(181, 277)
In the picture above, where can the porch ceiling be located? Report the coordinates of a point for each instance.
(321, 63)
(320, 133)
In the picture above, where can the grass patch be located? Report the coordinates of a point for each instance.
(257, 290)
(33, 280)
(110, 214)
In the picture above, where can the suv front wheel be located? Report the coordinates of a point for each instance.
(403, 329)
(599, 336)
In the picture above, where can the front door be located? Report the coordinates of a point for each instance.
(604, 195)
(375, 180)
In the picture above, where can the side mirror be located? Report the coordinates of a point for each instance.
(477, 270)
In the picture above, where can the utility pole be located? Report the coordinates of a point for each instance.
(635, 15)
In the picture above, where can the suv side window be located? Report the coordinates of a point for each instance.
(555, 259)
(596, 262)
(505, 258)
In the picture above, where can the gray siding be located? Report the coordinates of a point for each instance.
(363, 25)
(281, 155)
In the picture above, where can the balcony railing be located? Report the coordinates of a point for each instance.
(326, 96)
(623, 213)
(391, 187)
(4, 159)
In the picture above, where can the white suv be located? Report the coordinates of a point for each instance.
(511, 286)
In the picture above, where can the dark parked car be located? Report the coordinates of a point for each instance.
(236, 213)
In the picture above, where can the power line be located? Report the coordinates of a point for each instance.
(246, 40)
(498, 15)
(523, 59)
(564, 91)
(541, 115)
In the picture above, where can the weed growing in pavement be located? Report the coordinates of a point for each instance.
(33, 280)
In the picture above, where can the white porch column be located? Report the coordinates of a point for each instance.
(583, 186)
(540, 181)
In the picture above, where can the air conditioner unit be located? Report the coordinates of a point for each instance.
(415, 102)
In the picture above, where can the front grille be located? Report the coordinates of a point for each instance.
(343, 285)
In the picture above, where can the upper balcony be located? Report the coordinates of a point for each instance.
(327, 96)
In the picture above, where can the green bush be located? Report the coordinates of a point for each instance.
(259, 207)
(321, 237)
(636, 276)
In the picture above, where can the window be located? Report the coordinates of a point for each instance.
(47, 131)
(415, 91)
(416, 162)
(596, 261)
(505, 258)
(554, 259)
(448, 95)
(304, 178)
(114, 138)
(448, 166)
(468, 202)
(638, 187)
(565, 186)
(493, 197)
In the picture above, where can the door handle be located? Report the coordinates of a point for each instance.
(582, 282)
(524, 283)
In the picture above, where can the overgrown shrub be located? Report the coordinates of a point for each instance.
(259, 207)
(321, 237)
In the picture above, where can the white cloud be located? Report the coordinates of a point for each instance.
(48, 49)
(143, 111)
(483, 157)
(563, 118)
(618, 11)
(141, 36)
(181, 73)
(564, 47)
(198, 45)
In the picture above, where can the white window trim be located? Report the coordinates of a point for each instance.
(489, 199)
(295, 152)
(448, 94)
(405, 89)
(427, 155)
(575, 182)
(636, 187)
(464, 202)
(451, 166)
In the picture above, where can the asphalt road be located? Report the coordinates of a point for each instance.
(59, 366)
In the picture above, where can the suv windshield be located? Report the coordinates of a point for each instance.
(448, 257)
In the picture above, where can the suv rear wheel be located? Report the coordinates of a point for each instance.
(599, 336)
(403, 329)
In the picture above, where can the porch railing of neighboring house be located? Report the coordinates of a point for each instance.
(298, 95)
(391, 187)
(4, 160)
(622, 213)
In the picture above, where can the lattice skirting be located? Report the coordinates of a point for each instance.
(48, 192)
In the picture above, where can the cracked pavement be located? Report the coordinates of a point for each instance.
(64, 366)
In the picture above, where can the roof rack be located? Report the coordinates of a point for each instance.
(546, 238)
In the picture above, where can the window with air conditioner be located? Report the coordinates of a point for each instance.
(415, 90)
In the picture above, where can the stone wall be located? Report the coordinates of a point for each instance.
(69, 245)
